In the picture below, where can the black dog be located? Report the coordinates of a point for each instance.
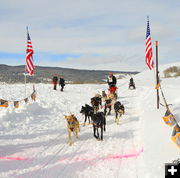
(99, 121)
(108, 103)
(96, 103)
(86, 110)
(119, 110)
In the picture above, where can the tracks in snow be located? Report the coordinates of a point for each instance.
(122, 137)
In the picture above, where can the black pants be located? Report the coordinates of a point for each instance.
(55, 87)
(62, 87)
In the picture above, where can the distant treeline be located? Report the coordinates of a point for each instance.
(15, 74)
(172, 72)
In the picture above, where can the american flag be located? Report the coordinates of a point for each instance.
(149, 60)
(29, 56)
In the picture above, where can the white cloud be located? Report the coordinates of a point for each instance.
(112, 29)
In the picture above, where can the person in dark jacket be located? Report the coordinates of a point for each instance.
(111, 80)
(62, 82)
(131, 83)
(55, 80)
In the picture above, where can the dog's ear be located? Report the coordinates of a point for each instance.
(65, 116)
(71, 114)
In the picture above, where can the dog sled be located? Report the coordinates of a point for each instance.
(132, 84)
(113, 91)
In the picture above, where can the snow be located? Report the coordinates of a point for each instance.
(33, 138)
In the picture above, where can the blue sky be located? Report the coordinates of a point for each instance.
(96, 34)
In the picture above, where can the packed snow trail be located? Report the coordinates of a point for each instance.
(38, 134)
(44, 137)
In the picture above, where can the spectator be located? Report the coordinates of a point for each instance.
(55, 80)
(62, 82)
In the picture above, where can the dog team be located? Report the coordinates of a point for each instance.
(96, 113)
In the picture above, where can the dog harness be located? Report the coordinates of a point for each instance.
(71, 125)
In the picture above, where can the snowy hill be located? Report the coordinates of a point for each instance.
(15, 74)
(33, 138)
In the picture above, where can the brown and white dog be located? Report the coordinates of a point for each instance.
(96, 102)
(72, 127)
(119, 111)
(112, 96)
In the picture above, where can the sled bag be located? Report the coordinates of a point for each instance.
(112, 89)
(169, 118)
(176, 135)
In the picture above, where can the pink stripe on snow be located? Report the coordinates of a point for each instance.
(88, 158)
(13, 158)
(136, 154)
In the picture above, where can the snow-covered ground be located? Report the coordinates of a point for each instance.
(33, 138)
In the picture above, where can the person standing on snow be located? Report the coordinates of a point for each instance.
(111, 80)
(131, 83)
(55, 80)
(62, 82)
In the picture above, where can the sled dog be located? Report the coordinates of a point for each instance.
(86, 110)
(72, 127)
(119, 111)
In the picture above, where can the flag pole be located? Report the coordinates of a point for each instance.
(157, 75)
(25, 70)
(25, 83)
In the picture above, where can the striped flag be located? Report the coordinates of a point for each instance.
(29, 56)
(149, 60)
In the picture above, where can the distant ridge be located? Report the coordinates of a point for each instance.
(14, 74)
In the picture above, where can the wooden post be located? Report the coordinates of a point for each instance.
(157, 75)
